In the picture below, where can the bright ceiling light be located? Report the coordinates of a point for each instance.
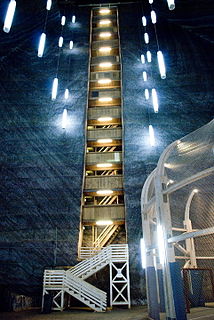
(149, 56)
(104, 119)
(105, 99)
(49, 4)
(104, 81)
(105, 49)
(104, 11)
(104, 222)
(104, 192)
(101, 165)
(41, 45)
(104, 140)
(105, 65)
(151, 136)
(63, 19)
(64, 119)
(171, 4)
(66, 95)
(151, 1)
(60, 43)
(155, 100)
(146, 37)
(9, 16)
(146, 92)
(142, 58)
(153, 17)
(71, 45)
(73, 20)
(104, 22)
(54, 88)
(161, 64)
(144, 22)
(144, 76)
(105, 34)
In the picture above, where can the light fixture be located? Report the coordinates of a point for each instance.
(143, 253)
(161, 244)
(104, 22)
(63, 19)
(73, 20)
(195, 190)
(105, 99)
(105, 34)
(104, 11)
(49, 4)
(101, 165)
(171, 4)
(64, 119)
(104, 222)
(105, 49)
(144, 22)
(104, 192)
(151, 136)
(151, 1)
(71, 45)
(104, 81)
(142, 58)
(144, 76)
(146, 37)
(66, 95)
(104, 140)
(60, 43)
(155, 100)
(54, 88)
(161, 64)
(9, 16)
(149, 56)
(153, 17)
(41, 45)
(104, 119)
(105, 65)
(146, 92)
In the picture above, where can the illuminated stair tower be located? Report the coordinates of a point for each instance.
(103, 210)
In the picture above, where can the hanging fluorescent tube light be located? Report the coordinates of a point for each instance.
(104, 192)
(144, 76)
(104, 140)
(104, 222)
(105, 34)
(54, 88)
(105, 99)
(63, 19)
(144, 22)
(143, 253)
(101, 165)
(146, 92)
(105, 65)
(146, 37)
(153, 17)
(64, 119)
(104, 22)
(66, 95)
(142, 57)
(71, 45)
(49, 4)
(104, 119)
(161, 244)
(155, 100)
(9, 16)
(104, 11)
(148, 56)
(73, 20)
(60, 44)
(171, 4)
(104, 81)
(161, 64)
(151, 136)
(151, 1)
(105, 49)
(41, 45)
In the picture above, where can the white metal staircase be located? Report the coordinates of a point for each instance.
(107, 235)
(73, 281)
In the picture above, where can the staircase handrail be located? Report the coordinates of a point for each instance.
(104, 234)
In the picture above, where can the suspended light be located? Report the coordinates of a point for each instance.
(104, 22)
(151, 1)
(101, 165)
(151, 136)
(144, 22)
(161, 64)
(105, 34)
(161, 244)
(155, 100)
(66, 95)
(146, 92)
(143, 253)
(171, 4)
(144, 76)
(104, 192)
(104, 81)
(142, 57)
(105, 99)
(104, 140)
(49, 4)
(153, 17)
(71, 45)
(104, 119)
(105, 49)
(148, 56)
(9, 16)
(63, 19)
(104, 11)
(146, 37)
(105, 65)
(60, 42)
(41, 45)
(54, 88)
(104, 222)
(64, 119)
(73, 20)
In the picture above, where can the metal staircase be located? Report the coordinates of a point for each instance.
(107, 235)
(73, 281)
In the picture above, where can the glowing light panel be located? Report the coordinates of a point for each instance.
(9, 16)
(71, 45)
(101, 165)
(161, 64)
(153, 17)
(60, 43)
(105, 22)
(146, 37)
(41, 45)
(105, 99)
(144, 76)
(54, 88)
(171, 4)
(142, 58)
(146, 92)
(63, 19)
(105, 49)
(104, 140)
(64, 119)
(149, 56)
(49, 4)
(151, 136)
(104, 119)
(104, 11)
(144, 21)
(104, 81)
(104, 222)
(155, 100)
(73, 20)
(66, 95)
(105, 65)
